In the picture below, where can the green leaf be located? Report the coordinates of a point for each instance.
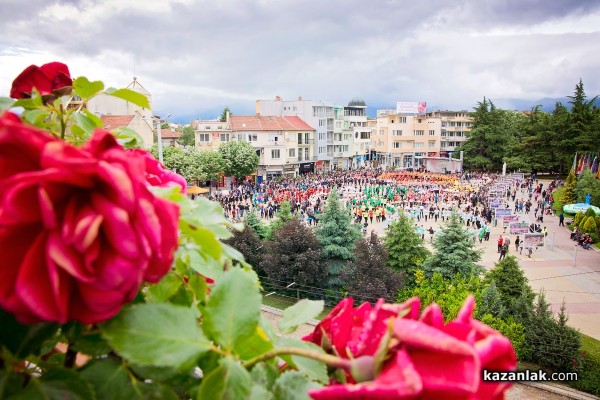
(35, 116)
(313, 369)
(86, 89)
(162, 291)
(131, 96)
(264, 374)
(157, 334)
(300, 313)
(127, 137)
(57, 384)
(23, 340)
(293, 386)
(204, 238)
(109, 379)
(6, 103)
(255, 344)
(84, 122)
(229, 381)
(153, 391)
(233, 309)
(199, 287)
(92, 344)
(260, 393)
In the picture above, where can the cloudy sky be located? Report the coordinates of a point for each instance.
(197, 56)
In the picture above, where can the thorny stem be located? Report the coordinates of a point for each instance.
(63, 125)
(70, 357)
(328, 359)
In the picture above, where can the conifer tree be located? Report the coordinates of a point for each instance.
(255, 223)
(337, 236)
(405, 248)
(294, 255)
(250, 245)
(568, 195)
(284, 214)
(512, 283)
(455, 252)
(491, 302)
(368, 276)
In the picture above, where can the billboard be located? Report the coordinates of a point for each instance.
(533, 240)
(411, 107)
(517, 228)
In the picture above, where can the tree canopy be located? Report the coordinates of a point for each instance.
(239, 157)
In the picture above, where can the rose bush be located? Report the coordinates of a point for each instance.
(79, 228)
(428, 359)
(87, 226)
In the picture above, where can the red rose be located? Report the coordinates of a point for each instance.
(49, 79)
(430, 360)
(79, 229)
(157, 174)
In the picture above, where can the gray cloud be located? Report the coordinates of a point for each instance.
(197, 56)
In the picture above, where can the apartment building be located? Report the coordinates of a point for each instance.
(403, 140)
(209, 134)
(317, 114)
(455, 125)
(355, 117)
(284, 144)
(343, 141)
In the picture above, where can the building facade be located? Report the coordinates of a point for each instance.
(284, 144)
(209, 134)
(317, 114)
(454, 125)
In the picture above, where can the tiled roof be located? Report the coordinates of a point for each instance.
(268, 123)
(169, 134)
(116, 121)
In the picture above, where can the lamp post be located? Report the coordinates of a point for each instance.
(159, 134)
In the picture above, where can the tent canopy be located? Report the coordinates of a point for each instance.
(197, 190)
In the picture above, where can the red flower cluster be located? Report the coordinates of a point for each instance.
(427, 359)
(49, 79)
(79, 228)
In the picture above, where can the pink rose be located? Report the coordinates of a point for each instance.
(49, 79)
(79, 229)
(157, 174)
(429, 360)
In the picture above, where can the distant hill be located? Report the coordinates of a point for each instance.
(548, 104)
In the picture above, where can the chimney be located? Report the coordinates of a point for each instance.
(299, 98)
(227, 115)
(277, 98)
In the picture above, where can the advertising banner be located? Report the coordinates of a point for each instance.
(502, 212)
(518, 228)
(506, 220)
(408, 107)
(533, 240)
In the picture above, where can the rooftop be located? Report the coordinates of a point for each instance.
(268, 123)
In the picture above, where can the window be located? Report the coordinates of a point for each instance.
(419, 132)
(273, 138)
(224, 137)
(345, 147)
(306, 154)
(397, 132)
(204, 137)
(418, 145)
(397, 145)
(252, 137)
(207, 127)
(431, 132)
(322, 150)
(275, 154)
(419, 121)
(365, 135)
(292, 153)
(321, 122)
(431, 144)
(401, 120)
(381, 131)
(321, 135)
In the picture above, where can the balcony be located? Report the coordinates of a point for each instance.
(305, 142)
(301, 158)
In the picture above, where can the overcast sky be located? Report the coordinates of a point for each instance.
(197, 56)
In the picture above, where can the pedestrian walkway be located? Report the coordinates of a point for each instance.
(559, 268)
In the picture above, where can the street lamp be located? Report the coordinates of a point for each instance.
(159, 134)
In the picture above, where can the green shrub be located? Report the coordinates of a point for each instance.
(590, 212)
(590, 225)
(513, 330)
(578, 218)
(582, 222)
(589, 368)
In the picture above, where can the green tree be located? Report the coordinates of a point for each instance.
(212, 165)
(405, 248)
(284, 214)
(558, 125)
(590, 225)
(587, 183)
(578, 136)
(240, 158)
(530, 150)
(223, 117)
(188, 137)
(337, 236)
(511, 283)
(294, 255)
(177, 160)
(455, 252)
(491, 302)
(368, 276)
(569, 196)
(255, 223)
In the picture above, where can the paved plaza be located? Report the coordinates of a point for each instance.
(551, 268)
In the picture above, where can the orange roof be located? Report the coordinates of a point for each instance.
(169, 134)
(268, 123)
(116, 121)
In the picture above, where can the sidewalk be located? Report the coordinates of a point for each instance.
(550, 268)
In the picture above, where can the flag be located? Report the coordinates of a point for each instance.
(575, 163)
(595, 165)
(580, 166)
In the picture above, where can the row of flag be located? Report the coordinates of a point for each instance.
(587, 160)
